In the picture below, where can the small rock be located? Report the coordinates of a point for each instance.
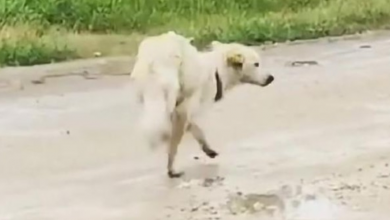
(258, 206)
(295, 203)
(97, 54)
(310, 197)
(194, 209)
(208, 182)
(37, 81)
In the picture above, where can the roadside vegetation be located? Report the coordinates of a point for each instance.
(43, 31)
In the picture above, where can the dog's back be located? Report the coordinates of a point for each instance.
(157, 72)
(158, 52)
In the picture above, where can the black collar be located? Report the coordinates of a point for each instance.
(219, 94)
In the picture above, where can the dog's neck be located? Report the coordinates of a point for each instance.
(224, 76)
(224, 82)
(219, 86)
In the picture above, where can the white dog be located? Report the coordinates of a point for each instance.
(177, 82)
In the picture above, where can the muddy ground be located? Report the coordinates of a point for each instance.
(314, 145)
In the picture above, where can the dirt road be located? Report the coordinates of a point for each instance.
(314, 145)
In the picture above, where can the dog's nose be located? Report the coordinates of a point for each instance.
(270, 79)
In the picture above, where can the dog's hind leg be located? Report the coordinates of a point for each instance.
(199, 136)
(178, 128)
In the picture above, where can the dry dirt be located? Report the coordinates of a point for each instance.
(315, 145)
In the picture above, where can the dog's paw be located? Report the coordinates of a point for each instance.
(210, 153)
(172, 174)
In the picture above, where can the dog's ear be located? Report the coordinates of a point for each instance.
(235, 59)
(171, 33)
(191, 39)
(215, 44)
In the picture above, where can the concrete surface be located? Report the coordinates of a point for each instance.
(314, 145)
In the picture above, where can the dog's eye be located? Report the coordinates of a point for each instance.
(256, 64)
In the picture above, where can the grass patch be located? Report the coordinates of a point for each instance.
(328, 18)
(24, 46)
(111, 26)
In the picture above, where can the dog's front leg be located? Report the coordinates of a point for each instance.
(178, 127)
(198, 134)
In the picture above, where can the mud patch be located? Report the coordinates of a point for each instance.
(207, 182)
(216, 181)
(365, 46)
(85, 74)
(298, 63)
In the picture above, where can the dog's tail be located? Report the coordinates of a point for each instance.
(155, 121)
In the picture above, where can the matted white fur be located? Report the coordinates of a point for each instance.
(177, 83)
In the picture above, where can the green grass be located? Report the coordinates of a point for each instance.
(23, 46)
(246, 21)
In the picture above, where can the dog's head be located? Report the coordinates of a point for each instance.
(245, 62)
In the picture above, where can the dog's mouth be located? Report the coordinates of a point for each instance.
(259, 80)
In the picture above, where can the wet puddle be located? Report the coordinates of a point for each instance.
(255, 203)
(287, 203)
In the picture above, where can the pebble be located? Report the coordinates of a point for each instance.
(194, 209)
(97, 54)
